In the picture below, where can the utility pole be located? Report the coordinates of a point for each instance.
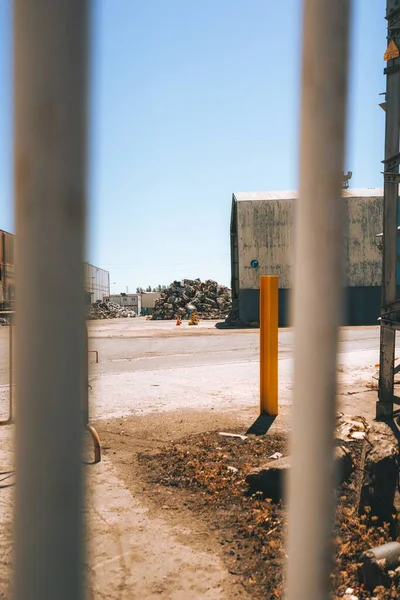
(389, 318)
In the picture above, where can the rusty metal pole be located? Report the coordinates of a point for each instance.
(317, 296)
(50, 78)
(384, 406)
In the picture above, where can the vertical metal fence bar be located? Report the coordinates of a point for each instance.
(317, 296)
(50, 83)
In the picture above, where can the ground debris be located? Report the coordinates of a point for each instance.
(276, 455)
(350, 427)
(380, 566)
(270, 477)
(252, 528)
(211, 300)
(233, 435)
(381, 474)
(233, 469)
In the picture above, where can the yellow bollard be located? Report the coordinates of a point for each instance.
(269, 346)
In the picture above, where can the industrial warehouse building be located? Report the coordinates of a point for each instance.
(262, 244)
(131, 301)
(7, 269)
(142, 303)
(97, 281)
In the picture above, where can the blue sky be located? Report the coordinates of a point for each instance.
(191, 101)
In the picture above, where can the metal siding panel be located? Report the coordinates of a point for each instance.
(361, 306)
(9, 249)
(249, 307)
(148, 299)
(97, 281)
(265, 230)
(7, 265)
(364, 218)
(2, 268)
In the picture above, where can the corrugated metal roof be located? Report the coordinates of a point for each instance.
(255, 196)
(290, 195)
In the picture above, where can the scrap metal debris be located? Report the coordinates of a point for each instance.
(209, 299)
(233, 435)
(252, 528)
(276, 456)
(380, 566)
(349, 427)
(233, 469)
(109, 310)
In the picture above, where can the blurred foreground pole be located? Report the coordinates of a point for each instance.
(50, 78)
(317, 296)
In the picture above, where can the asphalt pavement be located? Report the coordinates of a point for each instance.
(148, 366)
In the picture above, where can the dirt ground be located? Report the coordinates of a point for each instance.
(162, 551)
(156, 384)
(208, 525)
(199, 480)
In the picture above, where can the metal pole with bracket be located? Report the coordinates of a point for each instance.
(389, 318)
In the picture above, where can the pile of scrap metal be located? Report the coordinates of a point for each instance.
(109, 310)
(212, 301)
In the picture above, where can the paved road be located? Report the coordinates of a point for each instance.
(150, 366)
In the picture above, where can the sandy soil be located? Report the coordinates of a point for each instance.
(156, 383)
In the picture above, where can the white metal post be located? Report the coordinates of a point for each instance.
(317, 296)
(50, 79)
